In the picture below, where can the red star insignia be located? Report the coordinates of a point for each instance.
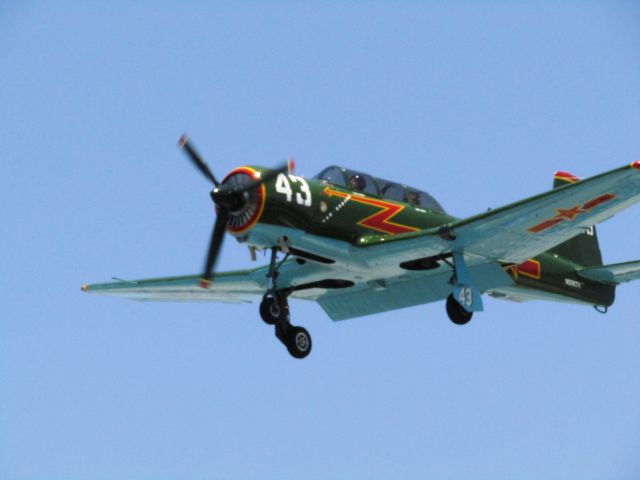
(569, 214)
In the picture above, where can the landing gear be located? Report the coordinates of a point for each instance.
(296, 339)
(274, 310)
(457, 314)
(465, 298)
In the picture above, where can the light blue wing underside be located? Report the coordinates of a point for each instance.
(364, 298)
(229, 287)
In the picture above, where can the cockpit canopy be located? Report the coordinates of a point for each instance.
(343, 177)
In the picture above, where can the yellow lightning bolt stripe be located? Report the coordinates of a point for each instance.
(379, 221)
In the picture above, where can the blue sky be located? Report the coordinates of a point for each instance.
(478, 104)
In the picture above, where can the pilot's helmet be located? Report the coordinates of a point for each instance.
(357, 182)
(413, 197)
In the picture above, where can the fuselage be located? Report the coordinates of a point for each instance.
(319, 209)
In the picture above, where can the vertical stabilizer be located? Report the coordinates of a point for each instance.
(583, 249)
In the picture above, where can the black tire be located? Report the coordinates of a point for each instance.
(457, 314)
(298, 342)
(272, 311)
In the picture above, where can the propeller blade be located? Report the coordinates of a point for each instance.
(197, 159)
(217, 237)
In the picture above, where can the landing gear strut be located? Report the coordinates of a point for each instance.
(274, 310)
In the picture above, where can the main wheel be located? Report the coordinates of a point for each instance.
(272, 310)
(298, 342)
(457, 314)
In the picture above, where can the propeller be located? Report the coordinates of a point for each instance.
(228, 199)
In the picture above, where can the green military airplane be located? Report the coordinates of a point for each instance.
(360, 245)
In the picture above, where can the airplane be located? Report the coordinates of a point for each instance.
(360, 245)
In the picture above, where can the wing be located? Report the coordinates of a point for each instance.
(308, 281)
(524, 229)
(614, 274)
(229, 287)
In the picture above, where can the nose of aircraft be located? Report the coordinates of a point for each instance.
(236, 210)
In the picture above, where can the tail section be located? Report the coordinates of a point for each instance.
(584, 248)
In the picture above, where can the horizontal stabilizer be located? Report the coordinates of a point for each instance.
(615, 274)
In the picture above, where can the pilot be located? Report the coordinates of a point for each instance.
(413, 198)
(357, 182)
